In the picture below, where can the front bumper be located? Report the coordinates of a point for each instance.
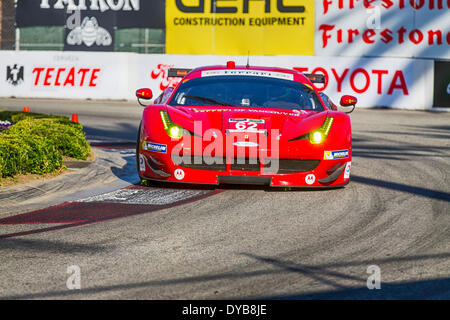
(282, 173)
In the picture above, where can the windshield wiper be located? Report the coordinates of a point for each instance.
(220, 103)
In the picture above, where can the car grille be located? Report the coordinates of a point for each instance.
(205, 163)
(244, 164)
(292, 166)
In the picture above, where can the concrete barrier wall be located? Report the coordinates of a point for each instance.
(391, 82)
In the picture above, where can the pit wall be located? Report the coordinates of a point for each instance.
(405, 83)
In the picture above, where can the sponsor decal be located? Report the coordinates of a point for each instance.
(251, 73)
(156, 147)
(310, 179)
(141, 163)
(179, 174)
(245, 144)
(347, 170)
(89, 33)
(14, 75)
(247, 125)
(295, 113)
(247, 120)
(332, 155)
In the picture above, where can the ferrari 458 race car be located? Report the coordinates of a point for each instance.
(245, 125)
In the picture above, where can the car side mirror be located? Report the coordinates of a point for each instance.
(145, 94)
(348, 101)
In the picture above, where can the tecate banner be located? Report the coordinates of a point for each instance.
(401, 28)
(393, 82)
(71, 75)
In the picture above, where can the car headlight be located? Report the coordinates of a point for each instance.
(319, 135)
(173, 130)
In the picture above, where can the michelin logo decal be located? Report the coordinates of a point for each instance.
(150, 146)
(339, 154)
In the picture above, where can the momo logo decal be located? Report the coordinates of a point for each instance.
(14, 74)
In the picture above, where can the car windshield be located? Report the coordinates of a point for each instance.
(246, 91)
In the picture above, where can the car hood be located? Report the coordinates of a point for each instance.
(287, 122)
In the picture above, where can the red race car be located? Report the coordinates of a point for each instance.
(245, 125)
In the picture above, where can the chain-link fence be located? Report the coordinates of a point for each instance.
(126, 40)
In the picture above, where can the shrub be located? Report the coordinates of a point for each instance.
(35, 143)
(67, 136)
(27, 154)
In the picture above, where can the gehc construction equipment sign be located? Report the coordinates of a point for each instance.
(240, 27)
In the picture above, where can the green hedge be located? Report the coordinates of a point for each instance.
(36, 143)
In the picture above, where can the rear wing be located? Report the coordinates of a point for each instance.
(178, 72)
(181, 73)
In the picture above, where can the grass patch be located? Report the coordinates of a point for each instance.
(37, 143)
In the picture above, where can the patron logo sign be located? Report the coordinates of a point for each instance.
(122, 13)
(240, 27)
(102, 5)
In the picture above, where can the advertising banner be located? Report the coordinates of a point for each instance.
(403, 28)
(66, 75)
(90, 24)
(390, 82)
(393, 82)
(129, 13)
(240, 27)
(442, 84)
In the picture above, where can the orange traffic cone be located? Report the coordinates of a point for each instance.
(75, 117)
(26, 109)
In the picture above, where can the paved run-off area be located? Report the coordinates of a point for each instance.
(248, 242)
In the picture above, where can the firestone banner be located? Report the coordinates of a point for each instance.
(240, 27)
(401, 28)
